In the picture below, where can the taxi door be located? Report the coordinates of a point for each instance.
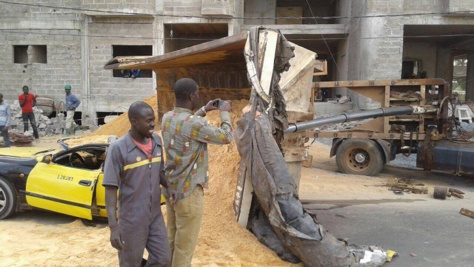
(100, 196)
(62, 189)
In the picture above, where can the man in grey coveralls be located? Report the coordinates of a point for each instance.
(133, 166)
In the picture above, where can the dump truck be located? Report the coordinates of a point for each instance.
(417, 116)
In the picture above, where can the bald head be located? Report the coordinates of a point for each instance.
(138, 109)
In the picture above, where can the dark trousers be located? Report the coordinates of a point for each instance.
(6, 137)
(31, 117)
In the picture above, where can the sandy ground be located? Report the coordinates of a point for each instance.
(40, 238)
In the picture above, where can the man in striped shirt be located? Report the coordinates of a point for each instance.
(185, 138)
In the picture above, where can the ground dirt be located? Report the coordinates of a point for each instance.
(40, 238)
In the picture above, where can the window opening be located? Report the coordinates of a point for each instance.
(460, 76)
(30, 54)
(130, 51)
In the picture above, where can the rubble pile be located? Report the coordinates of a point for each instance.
(46, 126)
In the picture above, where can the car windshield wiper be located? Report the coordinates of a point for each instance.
(43, 151)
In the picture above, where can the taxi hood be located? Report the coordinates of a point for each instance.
(24, 152)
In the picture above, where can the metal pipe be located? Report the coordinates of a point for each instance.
(344, 117)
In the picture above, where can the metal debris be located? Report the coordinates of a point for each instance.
(467, 212)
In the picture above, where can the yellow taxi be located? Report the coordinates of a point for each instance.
(67, 181)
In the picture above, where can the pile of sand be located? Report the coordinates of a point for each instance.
(120, 125)
(222, 241)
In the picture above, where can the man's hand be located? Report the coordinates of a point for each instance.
(115, 239)
(226, 106)
(173, 196)
(210, 105)
(5, 129)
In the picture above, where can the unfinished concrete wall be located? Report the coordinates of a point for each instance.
(199, 13)
(122, 6)
(458, 5)
(51, 36)
(375, 44)
(381, 42)
(110, 93)
(79, 42)
(259, 12)
(77, 45)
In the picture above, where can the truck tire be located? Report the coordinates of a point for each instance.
(8, 199)
(359, 156)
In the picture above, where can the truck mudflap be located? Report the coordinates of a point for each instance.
(274, 189)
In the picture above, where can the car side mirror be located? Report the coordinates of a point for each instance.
(47, 159)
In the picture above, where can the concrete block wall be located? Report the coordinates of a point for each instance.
(48, 79)
(127, 6)
(378, 41)
(182, 7)
(108, 92)
(263, 12)
(40, 23)
(375, 47)
(80, 42)
(217, 8)
(458, 5)
(424, 6)
(35, 6)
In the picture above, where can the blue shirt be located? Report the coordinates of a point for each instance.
(5, 114)
(72, 102)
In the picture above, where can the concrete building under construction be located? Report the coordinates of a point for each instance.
(47, 44)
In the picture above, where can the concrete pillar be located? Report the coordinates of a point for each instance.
(470, 77)
(89, 115)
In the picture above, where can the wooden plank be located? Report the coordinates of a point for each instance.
(321, 68)
(243, 200)
(365, 83)
(374, 125)
(268, 59)
(386, 103)
(205, 53)
(376, 93)
(467, 212)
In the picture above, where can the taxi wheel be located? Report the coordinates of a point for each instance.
(8, 199)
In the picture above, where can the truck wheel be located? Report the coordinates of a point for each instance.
(359, 156)
(8, 199)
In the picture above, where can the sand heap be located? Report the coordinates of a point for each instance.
(222, 242)
(120, 125)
